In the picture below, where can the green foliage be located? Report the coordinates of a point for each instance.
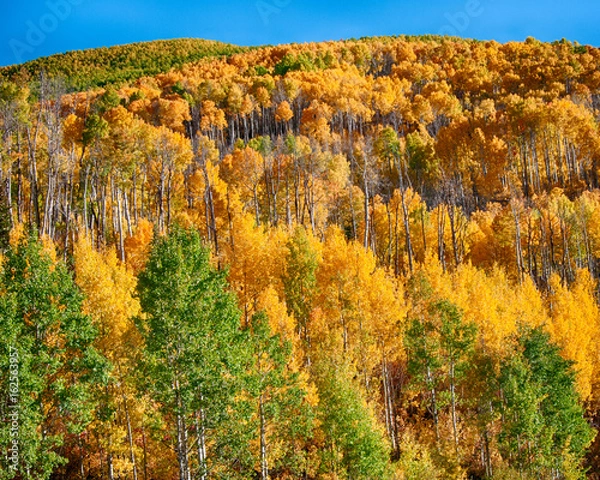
(421, 158)
(5, 221)
(13, 103)
(439, 344)
(86, 69)
(292, 63)
(415, 462)
(57, 371)
(387, 145)
(95, 128)
(300, 280)
(404, 143)
(260, 70)
(109, 99)
(263, 145)
(194, 349)
(278, 400)
(198, 360)
(456, 337)
(354, 446)
(544, 429)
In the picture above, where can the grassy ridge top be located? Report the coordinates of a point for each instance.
(97, 67)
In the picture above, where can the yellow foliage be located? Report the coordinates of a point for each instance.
(360, 307)
(255, 263)
(284, 113)
(109, 290)
(495, 303)
(280, 321)
(16, 234)
(137, 246)
(575, 326)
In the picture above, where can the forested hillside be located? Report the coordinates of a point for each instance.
(83, 69)
(370, 259)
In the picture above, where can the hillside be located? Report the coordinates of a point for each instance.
(371, 259)
(85, 69)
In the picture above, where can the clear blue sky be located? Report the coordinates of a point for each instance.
(38, 28)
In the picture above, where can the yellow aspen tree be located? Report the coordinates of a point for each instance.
(254, 261)
(137, 246)
(575, 326)
(109, 290)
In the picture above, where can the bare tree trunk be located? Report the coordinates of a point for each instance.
(129, 429)
(453, 234)
(488, 459)
(210, 210)
(120, 225)
(109, 461)
(20, 202)
(409, 246)
(34, 216)
(453, 405)
(81, 461)
(344, 332)
(169, 197)
(32, 139)
(201, 445)
(86, 182)
(353, 213)
(288, 207)
(518, 245)
(441, 234)
(367, 216)
(182, 439)
(134, 200)
(256, 206)
(68, 208)
(434, 408)
(145, 452)
(390, 417)
(104, 216)
(264, 467)
(160, 201)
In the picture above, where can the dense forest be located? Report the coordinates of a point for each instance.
(85, 69)
(367, 259)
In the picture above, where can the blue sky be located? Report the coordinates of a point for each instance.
(42, 27)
